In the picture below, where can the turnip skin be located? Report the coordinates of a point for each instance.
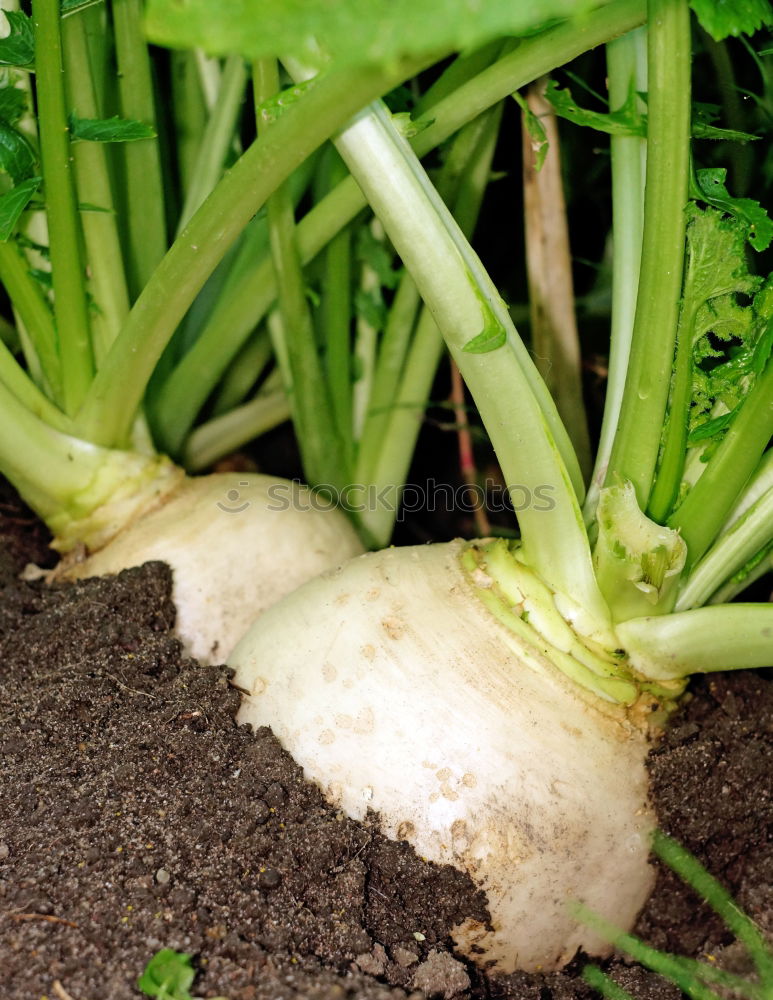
(236, 543)
(398, 691)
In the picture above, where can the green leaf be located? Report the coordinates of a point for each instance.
(113, 129)
(627, 120)
(351, 31)
(378, 256)
(702, 130)
(727, 314)
(491, 337)
(13, 203)
(13, 104)
(709, 186)
(732, 17)
(536, 132)
(168, 975)
(18, 48)
(17, 157)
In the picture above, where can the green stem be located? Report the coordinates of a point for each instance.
(103, 246)
(703, 640)
(392, 364)
(637, 441)
(70, 306)
(145, 217)
(230, 431)
(217, 137)
(190, 116)
(320, 448)
(84, 493)
(408, 361)
(248, 365)
(626, 70)
(513, 403)
(120, 383)
(731, 552)
(249, 302)
(365, 340)
(34, 313)
(335, 315)
(21, 385)
(702, 514)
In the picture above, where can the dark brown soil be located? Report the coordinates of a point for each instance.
(135, 815)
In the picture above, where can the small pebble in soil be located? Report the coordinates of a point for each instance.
(269, 879)
(162, 876)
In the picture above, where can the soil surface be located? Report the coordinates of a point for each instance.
(135, 815)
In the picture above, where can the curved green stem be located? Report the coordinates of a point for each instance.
(637, 441)
(250, 301)
(530, 441)
(118, 387)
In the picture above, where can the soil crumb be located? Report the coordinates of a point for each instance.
(135, 815)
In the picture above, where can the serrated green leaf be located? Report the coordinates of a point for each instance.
(13, 104)
(350, 31)
(13, 203)
(168, 975)
(727, 314)
(17, 157)
(113, 129)
(732, 17)
(536, 132)
(491, 337)
(709, 186)
(18, 48)
(627, 120)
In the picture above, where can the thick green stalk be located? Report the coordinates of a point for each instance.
(249, 302)
(34, 313)
(723, 637)
(70, 305)
(702, 514)
(145, 217)
(320, 448)
(626, 70)
(84, 493)
(637, 442)
(521, 419)
(107, 279)
(216, 138)
(121, 380)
